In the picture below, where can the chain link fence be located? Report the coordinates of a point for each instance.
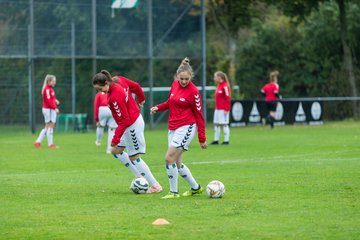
(75, 39)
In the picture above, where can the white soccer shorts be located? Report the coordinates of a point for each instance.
(182, 137)
(133, 138)
(106, 118)
(220, 117)
(49, 115)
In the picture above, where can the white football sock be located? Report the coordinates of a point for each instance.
(186, 174)
(50, 136)
(42, 135)
(216, 133)
(124, 158)
(226, 130)
(144, 170)
(99, 134)
(111, 132)
(173, 174)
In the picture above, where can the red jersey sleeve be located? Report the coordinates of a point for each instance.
(96, 107)
(165, 105)
(196, 105)
(227, 100)
(121, 115)
(134, 87)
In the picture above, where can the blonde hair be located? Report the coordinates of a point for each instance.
(273, 74)
(223, 76)
(185, 67)
(47, 79)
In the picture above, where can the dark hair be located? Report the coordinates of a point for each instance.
(102, 78)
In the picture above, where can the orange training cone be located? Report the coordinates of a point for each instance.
(160, 221)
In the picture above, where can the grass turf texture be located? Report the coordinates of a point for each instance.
(293, 182)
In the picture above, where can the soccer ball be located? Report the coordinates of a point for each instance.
(139, 185)
(215, 189)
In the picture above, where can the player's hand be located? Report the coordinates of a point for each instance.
(115, 149)
(142, 103)
(203, 145)
(57, 111)
(57, 102)
(97, 124)
(153, 110)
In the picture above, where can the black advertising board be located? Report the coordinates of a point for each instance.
(249, 112)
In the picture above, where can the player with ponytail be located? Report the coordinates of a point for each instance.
(129, 133)
(185, 120)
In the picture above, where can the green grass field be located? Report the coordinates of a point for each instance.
(293, 182)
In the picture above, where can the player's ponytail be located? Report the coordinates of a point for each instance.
(185, 67)
(102, 78)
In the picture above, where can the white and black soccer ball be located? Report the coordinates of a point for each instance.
(139, 185)
(215, 189)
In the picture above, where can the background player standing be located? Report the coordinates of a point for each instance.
(222, 107)
(49, 110)
(271, 93)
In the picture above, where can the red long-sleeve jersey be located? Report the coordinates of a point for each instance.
(270, 90)
(48, 96)
(185, 107)
(123, 106)
(222, 96)
(99, 101)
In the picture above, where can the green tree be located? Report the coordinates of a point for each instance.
(302, 8)
(230, 16)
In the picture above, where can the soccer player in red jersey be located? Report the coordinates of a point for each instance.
(222, 107)
(129, 133)
(185, 119)
(271, 93)
(49, 110)
(103, 118)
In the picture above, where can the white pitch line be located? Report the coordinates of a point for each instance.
(277, 160)
(285, 159)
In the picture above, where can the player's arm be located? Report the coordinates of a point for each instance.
(51, 99)
(227, 98)
(162, 106)
(47, 98)
(263, 92)
(135, 88)
(276, 91)
(196, 106)
(121, 116)
(96, 108)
